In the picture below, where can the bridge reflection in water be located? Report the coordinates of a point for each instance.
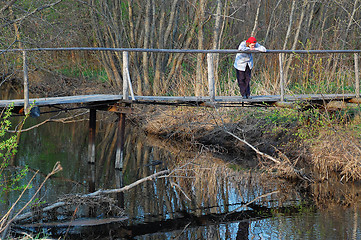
(200, 201)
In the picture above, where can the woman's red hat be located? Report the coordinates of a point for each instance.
(251, 40)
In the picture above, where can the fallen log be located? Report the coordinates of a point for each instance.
(279, 163)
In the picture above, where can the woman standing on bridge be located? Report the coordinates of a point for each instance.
(244, 64)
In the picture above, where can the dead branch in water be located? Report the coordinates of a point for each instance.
(250, 202)
(285, 166)
(97, 193)
(118, 190)
(254, 149)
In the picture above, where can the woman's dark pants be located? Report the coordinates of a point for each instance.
(244, 78)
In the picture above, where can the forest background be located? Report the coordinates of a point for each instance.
(180, 24)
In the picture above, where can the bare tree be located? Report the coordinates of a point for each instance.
(199, 88)
(289, 25)
(108, 34)
(296, 37)
(256, 19)
(217, 36)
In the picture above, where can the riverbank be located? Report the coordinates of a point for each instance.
(319, 144)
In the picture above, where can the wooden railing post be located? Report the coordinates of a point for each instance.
(357, 86)
(211, 84)
(26, 84)
(282, 81)
(125, 75)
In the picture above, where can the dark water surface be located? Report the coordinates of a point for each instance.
(203, 202)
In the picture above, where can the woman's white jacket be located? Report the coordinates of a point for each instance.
(242, 59)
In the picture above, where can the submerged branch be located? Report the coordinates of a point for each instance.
(259, 197)
(99, 192)
(118, 190)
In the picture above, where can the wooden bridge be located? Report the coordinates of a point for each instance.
(121, 103)
(106, 101)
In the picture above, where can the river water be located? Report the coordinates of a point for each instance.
(205, 199)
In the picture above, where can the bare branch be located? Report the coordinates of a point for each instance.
(63, 120)
(259, 197)
(254, 149)
(9, 4)
(32, 12)
(57, 168)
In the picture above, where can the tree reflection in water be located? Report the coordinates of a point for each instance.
(196, 202)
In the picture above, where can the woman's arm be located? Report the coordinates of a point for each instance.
(243, 46)
(260, 48)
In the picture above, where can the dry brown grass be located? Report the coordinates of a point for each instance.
(181, 122)
(337, 151)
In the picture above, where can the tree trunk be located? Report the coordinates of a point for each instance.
(271, 21)
(289, 25)
(147, 89)
(217, 39)
(352, 19)
(255, 25)
(295, 40)
(177, 61)
(109, 36)
(161, 40)
(199, 88)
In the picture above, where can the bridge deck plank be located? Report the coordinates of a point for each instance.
(191, 100)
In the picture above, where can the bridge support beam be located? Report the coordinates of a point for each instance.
(119, 184)
(92, 131)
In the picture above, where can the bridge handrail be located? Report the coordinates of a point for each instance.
(155, 50)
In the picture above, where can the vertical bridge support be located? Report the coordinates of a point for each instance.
(357, 87)
(125, 75)
(119, 156)
(211, 84)
(92, 131)
(26, 84)
(282, 81)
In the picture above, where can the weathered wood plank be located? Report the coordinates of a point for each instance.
(62, 100)
(101, 99)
